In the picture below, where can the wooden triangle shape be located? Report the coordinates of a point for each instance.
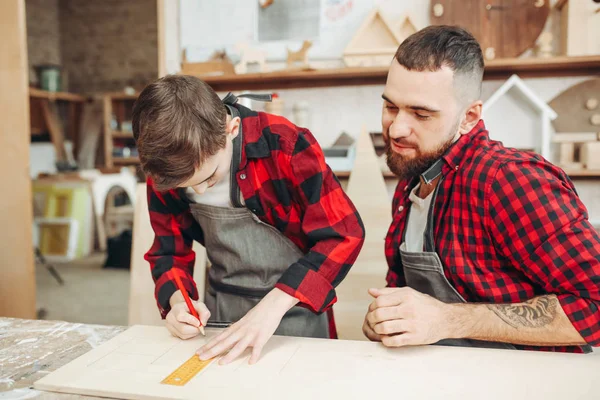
(406, 29)
(367, 190)
(375, 32)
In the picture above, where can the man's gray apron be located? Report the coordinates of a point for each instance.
(424, 271)
(248, 257)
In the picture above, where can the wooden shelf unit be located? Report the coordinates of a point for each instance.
(495, 69)
(118, 104)
(45, 116)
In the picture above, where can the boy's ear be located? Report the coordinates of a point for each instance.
(233, 127)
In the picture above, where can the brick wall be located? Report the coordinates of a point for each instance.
(43, 35)
(108, 44)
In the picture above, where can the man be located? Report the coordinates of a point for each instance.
(254, 189)
(489, 246)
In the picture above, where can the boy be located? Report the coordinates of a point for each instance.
(254, 189)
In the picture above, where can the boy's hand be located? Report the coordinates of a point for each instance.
(180, 322)
(253, 330)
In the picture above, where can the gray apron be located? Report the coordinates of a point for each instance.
(248, 257)
(424, 270)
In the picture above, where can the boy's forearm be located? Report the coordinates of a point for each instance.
(540, 321)
(280, 301)
(176, 297)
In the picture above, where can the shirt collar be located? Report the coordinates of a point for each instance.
(456, 152)
(252, 141)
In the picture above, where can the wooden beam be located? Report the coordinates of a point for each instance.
(160, 21)
(108, 140)
(17, 269)
(52, 121)
(42, 94)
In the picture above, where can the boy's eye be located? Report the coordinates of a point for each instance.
(422, 117)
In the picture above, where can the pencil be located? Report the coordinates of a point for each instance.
(186, 297)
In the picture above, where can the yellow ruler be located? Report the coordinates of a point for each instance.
(186, 371)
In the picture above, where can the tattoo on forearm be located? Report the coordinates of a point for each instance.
(534, 313)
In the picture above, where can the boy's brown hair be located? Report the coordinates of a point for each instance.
(178, 123)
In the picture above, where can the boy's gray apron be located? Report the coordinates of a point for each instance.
(248, 257)
(424, 271)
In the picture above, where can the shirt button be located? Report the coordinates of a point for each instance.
(242, 176)
(400, 208)
(405, 188)
(456, 168)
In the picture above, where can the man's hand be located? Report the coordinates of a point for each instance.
(180, 322)
(253, 330)
(404, 317)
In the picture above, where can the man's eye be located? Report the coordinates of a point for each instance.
(422, 117)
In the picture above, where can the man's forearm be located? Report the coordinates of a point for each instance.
(540, 321)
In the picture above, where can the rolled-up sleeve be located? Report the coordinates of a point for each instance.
(538, 222)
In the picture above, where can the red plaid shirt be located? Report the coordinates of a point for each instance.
(509, 226)
(284, 180)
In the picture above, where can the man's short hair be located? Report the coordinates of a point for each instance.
(442, 45)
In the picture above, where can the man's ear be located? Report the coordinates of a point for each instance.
(471, 117)
(233, 127)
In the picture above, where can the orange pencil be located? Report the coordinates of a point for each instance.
(186, 297)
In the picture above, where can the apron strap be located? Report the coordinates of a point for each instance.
(229, 101)
(236, 159)
(433, 172)
(429, 176)
(428, 240)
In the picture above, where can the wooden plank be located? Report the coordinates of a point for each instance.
(17, 269)
(126, 160)
(583, 173)
(122, 135)
(52, 121)
(108, 140)
(299, 79)
(346, 174)
(495, 69)
(160, 19)
(542, 67)
(122, 96)
(575, 137)
(65, 96)
(132, 365)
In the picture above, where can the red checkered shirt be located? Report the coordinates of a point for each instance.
(287, 184)
(509, 226)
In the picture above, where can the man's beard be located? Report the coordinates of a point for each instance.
(409, 167)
